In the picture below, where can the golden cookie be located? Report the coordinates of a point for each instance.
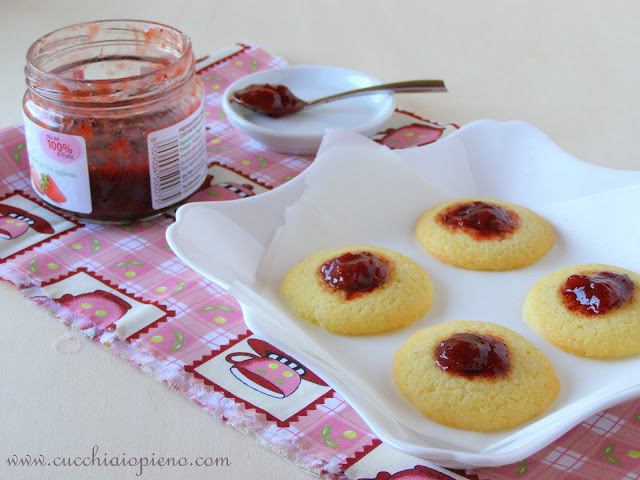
(595, 316)
(358, 289)
(455, 373)
(484, 234)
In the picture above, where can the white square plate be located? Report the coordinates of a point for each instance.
(358, 192)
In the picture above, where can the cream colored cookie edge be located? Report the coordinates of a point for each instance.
(613, 335)
(532, 241)
(388, 305)
(448, 399)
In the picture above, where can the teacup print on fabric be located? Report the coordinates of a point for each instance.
(269, 370)
(263, 378)
(25, 224)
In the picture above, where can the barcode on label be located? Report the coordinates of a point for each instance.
(165, 163)
(177, 160)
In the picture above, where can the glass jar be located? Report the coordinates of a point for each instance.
(114, 119)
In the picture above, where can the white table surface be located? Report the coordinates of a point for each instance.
(570, 68)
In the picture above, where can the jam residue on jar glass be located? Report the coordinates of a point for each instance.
(355, 273)
(114, 119)
(481, 219)
(597, 294)
(473, 355)
(273, 100)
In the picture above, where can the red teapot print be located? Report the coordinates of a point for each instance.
(101, 309)
(419, 472)
(412, 135)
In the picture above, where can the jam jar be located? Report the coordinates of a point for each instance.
(114, 120)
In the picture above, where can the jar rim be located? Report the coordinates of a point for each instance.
(37, 74)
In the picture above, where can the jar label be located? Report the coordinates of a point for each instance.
(59, 170)
(177, 160)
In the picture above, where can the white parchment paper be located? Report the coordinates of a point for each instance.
(358, 192)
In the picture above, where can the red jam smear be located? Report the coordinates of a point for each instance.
(597, 294)
(355, 273)
(473, 355)
(481, 219)
(273, 100)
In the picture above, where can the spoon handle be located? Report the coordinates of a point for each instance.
(409, 86)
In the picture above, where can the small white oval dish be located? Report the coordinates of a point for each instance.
(302, 133)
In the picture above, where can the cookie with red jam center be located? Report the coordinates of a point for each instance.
(474, 376)
(590, 310)
(358, 290)
(484, 234)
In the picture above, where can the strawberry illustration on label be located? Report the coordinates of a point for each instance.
(35, 179)
(46, 186)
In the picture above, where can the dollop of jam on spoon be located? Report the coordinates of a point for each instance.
(272, 100)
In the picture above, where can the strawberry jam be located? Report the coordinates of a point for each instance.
(481, 219)
(273, 100)
(597, 294)
(473, 355)
(355, 273)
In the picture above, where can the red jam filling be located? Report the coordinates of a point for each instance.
(481, 219)
(597, 294)
(355, 273)
(273, 100)
(117, 154)
(473, 355)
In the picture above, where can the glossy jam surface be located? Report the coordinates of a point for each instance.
(473, 355)
(481, 219)
(273, 100)
(355, 273)
(597, 294)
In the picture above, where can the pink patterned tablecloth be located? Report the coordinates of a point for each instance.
(126, 290)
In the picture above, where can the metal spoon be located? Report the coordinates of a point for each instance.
(278, 100)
